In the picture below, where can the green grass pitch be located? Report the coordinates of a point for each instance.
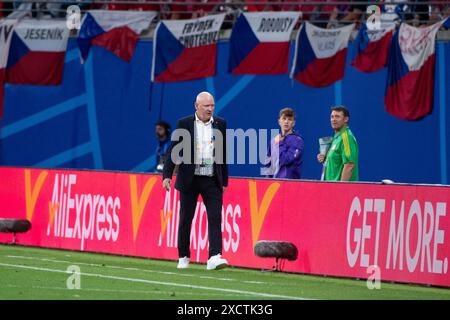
(35, 273)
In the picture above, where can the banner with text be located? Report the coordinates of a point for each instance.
(186, 49)
(340, 229)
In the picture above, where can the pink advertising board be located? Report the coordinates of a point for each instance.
(340, 229)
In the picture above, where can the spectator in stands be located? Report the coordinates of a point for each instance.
(205, 7)
(341, 161)
(193, 9)
(115, 5)
(5, 8)
(264, 6)
(57, 8)
(346, 13)
(440, 11)
(393, 12)
(276, 5)
(54, 8)
(142, 6)
(285, 154)
(24, 8)
(310, 12)
(417, 12)
(337, 13)
(421, 11)
(162, 131)
(19, 9)
(95, 5)
(318, 14)
(414, 14)
(176, 11)
(291, 6)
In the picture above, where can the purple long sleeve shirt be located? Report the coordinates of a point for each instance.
(287, 162)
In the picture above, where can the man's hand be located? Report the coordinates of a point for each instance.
(321, 158)
(347, 171)
(278, 138)
(166, 183)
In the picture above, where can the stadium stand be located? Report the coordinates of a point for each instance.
(323, 13)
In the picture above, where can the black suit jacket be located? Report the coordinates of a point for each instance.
(186, 170)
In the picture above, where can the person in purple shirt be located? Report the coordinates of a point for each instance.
(285, 154)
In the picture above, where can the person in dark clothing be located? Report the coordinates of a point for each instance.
(162, 131)
(285, 155)
(202, 170)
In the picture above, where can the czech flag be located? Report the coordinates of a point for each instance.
(116, 31)
(260, 41)
(372, 48)
(185, 49)
(320, 55)
(36, 54)
(410, 78)
(6, 32)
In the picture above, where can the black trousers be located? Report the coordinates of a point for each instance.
(212, 196)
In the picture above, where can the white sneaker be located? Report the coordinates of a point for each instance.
(183, 263)
(216, 262)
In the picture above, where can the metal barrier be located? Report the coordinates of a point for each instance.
(326, 14)
(318, 12)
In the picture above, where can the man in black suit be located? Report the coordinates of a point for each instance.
(201, 156)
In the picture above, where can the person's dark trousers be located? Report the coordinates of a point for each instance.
(212, 198)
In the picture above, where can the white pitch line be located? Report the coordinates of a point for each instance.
(174, 284)
(135, 269)
(119, 290)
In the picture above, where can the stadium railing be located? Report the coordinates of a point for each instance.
(327, 14)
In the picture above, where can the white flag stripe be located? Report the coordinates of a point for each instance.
(135, 20)
(417, 44)
(43, 35)
(194, 27)
(327, 42)
(272, 26)
(6, 31)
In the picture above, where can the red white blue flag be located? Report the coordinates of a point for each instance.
(6, 31)
(410, 79)
(186, 49)
(37, 50)
(116, 31)
(372, 47)
(320, 55)
(260, 42)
